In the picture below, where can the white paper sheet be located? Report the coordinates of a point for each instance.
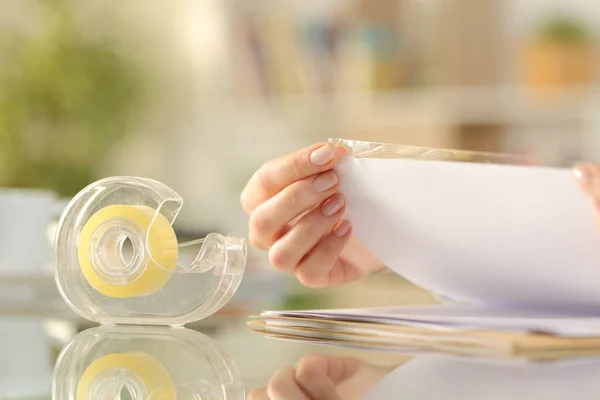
(481, 233)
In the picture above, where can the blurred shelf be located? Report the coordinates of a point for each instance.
(452, 106)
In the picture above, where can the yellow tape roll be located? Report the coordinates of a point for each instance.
(146, 370)
(161, 243)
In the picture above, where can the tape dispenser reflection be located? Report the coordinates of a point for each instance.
(118, 259)
(150, 363)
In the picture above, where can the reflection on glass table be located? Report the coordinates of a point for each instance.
(160, 363)
(436, 377)
(433, 377)
(26, 366)
(133, 362)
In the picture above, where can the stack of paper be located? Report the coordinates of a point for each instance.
(518, 243)
(454, 329)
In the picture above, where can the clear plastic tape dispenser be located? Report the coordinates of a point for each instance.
(118, 259)
(149, 363)
(362, 149)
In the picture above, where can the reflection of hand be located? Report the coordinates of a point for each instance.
(296, 214)
(322, 377)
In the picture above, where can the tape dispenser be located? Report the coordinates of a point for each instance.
(142, 362)
(118, 260)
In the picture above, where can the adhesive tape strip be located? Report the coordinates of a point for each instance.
(131, 371)
(153, 272)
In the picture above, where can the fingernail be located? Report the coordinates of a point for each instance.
(333, 205)
(325, 181)
(341, 229)
(341, 151)
(322, 155)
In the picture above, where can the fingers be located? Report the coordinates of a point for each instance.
(587, 176)
(314, 378)
(258, 394)
(295, 212)
(270, 217)
(316, 268)
(283, 386)
(279, 173)
(313, 375)
(292, 247)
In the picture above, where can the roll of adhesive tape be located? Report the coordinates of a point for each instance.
(138, 373)
(154, 236)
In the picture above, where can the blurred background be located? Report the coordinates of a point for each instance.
(199, 93)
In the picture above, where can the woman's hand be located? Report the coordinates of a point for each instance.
(296, 214)
(322, 377)
(587, 176)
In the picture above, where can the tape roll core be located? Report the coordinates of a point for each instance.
(153, 257)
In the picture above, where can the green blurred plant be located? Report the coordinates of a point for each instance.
(65, 101)
(563, 28)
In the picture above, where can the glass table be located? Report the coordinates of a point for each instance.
(45, 352)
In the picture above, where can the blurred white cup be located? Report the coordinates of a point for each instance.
(25, 215)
